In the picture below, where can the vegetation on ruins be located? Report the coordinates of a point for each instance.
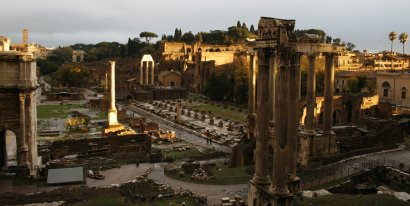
(72, 75)
(233, 35)
(233, 78)
(78, 123)
(357, 83)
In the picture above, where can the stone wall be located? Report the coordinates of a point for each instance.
(140, 143)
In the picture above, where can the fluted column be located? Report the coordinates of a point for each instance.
(328, 94)
(293, 113)
(251, 97)
(311, 96)
(21, 141)
(272, 74)
(262, 119)
(280, 160)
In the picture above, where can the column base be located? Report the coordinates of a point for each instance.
(259, 195)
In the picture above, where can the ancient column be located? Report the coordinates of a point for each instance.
(293, 113)
(106, 83)
(328, 94)
(152, 72)
(142, 73)
(112, 112)
(272, 74)
(311, 96)
(21, 141)
(280, 160)
(32, 130)
(262, 126)
(251, 98)
(146, 72)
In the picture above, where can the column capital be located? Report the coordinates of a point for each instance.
(22, 96)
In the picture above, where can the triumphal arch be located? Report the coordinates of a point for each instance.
(18, 84)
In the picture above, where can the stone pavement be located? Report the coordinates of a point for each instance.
(181, 132)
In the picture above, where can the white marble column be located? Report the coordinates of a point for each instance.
(21, 139)
(142, 73)
(112, 112)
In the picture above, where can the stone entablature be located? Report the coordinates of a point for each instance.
(18, 70)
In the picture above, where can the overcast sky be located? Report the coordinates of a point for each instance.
(366, 23)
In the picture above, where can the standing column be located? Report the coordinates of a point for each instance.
(146, 72)
(112, 112)
(32, 130)
(142, 73)
(152, 72)
(21, 141)
(280, 160)
(311, 97)
(293, 113)
(262, 125)
(328, 94)
(251, 98)
(272, 74)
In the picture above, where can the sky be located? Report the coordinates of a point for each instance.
(51, 23)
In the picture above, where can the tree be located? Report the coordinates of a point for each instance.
(350, 46)
(337, 41)
(148, 36)
(328, 40)
(245, 27)
(392, 37)
(238, 24)
(403, 39)
(198, 37)
(188, 37)
(177, 34)
(252, 29)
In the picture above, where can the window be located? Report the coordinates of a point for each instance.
(172, 84)
(403, 93)
(386, 87)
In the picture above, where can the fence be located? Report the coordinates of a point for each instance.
(351, 170)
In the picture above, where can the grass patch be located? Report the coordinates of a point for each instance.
(224, 113)
(56, 111)
(223, 176)
(173, 201)
(351, 200)
(179, 155)
(105, 201)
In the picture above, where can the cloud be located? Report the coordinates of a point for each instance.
(56, 22)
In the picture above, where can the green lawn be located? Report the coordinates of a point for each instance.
(55, 110)
(225, 176)
(61, 111)
(351, 200)
(224, 113)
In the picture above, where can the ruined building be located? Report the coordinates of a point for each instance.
(18, 84)
(276, 109)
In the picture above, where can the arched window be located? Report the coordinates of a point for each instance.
(403, 93)
(386, 87)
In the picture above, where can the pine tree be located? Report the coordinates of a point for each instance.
(238, 24)
(252, 29)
